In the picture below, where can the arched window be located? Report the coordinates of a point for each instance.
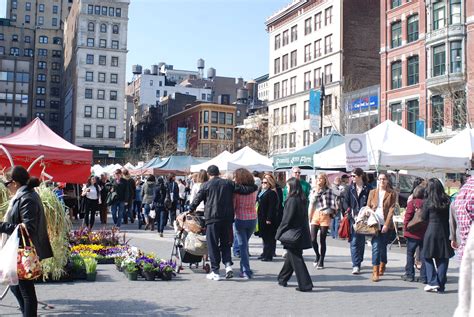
(103, 28)
(91, 27)
(115, 29)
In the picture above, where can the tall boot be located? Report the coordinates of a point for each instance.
(382, 268)
(152, 223)
(375, 273)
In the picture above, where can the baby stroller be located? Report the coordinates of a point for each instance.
(190, 244)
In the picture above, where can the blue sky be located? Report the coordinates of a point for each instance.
(228, 34)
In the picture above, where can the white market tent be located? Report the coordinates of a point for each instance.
(249, 159)
(220, 161)
(393, 147)
(461, 144)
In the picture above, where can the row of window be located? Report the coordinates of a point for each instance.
(113, 79)
(317, 52)
(90, 59)
(280, 116)
(281, 89)
(39, 22)
(41, 103)
(98, 10)
(19, 77)
(55, 8)
(88, 94)
(102, 43)
(285, 37)
(55, 79)
(44, 65)
(412, 72)
(216, 133)
(7, 121)
(8, 97)
(41, 39)
(53, 91)
(412, 31)
(103, 28)
(99, 131)
(281, 141)
(53, 117)
(216, 117)
(100, 113)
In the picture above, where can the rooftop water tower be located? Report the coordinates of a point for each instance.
(200, 66)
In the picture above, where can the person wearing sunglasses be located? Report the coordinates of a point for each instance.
(296, 173)
(267, 209)
(354, 200)
(26, 207)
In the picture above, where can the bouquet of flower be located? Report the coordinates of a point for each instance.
(167, 266)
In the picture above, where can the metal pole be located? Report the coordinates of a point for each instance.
(321, 111)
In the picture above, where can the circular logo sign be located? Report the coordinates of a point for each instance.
(355, 145)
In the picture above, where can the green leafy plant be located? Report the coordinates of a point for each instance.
(77, 263)
(149, 267)
(131, 267)
(91, 265)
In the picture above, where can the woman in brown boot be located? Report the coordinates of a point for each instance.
(382, 202)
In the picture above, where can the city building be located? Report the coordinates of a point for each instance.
(316, 44)
(427, 79)
(210, 127)
(95, 51)
(35, 30)
(362, 109)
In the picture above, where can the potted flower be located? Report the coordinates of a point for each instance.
(78, 267)
(118, 263)
(149, 271)
(167, 269)
(132, 271)
(91, 268)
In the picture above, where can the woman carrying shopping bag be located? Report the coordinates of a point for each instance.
(26, 208)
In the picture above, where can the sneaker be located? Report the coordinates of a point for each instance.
(213, 276)
(430, 288)
(228, 272)
(355, 270)
(319, 266)
(161, 234)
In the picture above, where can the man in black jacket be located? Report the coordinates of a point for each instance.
(120, 187)
(217, 193)
(172, 193)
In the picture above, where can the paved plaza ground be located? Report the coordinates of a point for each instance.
(336, 292)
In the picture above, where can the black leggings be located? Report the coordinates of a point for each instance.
(26, 297)
(92, 205)
(322, 238)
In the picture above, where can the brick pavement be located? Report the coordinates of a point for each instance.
(336, 292)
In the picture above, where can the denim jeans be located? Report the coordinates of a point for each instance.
(117, 210)
(244, 230)
(357, 247)
(412, 244)
(437, 277)
(128, 212)
(379, 248)
(335, 225)
(147, 208)
(161, 219)
(235, 245)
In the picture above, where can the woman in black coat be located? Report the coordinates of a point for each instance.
(436, 245)
(295, 216)
(267, 202)
(26, 208)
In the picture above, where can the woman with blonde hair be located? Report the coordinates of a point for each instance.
(199, 179)
(322, 205)
(267, 207)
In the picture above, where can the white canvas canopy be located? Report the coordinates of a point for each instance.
(249, 159)
(461, 144)
(393, 147)
(220, 161)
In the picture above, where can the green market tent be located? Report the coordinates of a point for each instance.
(304, 157)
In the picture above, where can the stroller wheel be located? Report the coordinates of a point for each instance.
(207, 268)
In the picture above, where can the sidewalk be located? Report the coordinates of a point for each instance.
(336, 293)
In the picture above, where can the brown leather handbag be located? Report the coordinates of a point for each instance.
(417, 222)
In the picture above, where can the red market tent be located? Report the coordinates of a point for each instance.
(64, 161)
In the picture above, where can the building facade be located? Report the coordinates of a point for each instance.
(427, 77)
(36, 30)
(315, 44)
(210, 128)
(94, 62)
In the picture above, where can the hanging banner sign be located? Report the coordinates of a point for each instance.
(314, 111)
(356, 151)
(181, 144)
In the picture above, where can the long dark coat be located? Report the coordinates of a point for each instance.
(295, 215)
(436, 244)
(267, 211)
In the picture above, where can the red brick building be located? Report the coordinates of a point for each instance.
(427, 78)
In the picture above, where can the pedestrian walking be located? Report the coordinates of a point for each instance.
(382, 202)
(267, 209)
(437, 248)
(414, 237)
(219, 216)
(245, 219)
(161, 216)
(148, 196)
(171, 203)
(295, 218)
(104, 190)
(26, 208)
(91, 194)
(356, 198)
(128, 211)
(137, 202)
(120, 199)
(322, 207)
